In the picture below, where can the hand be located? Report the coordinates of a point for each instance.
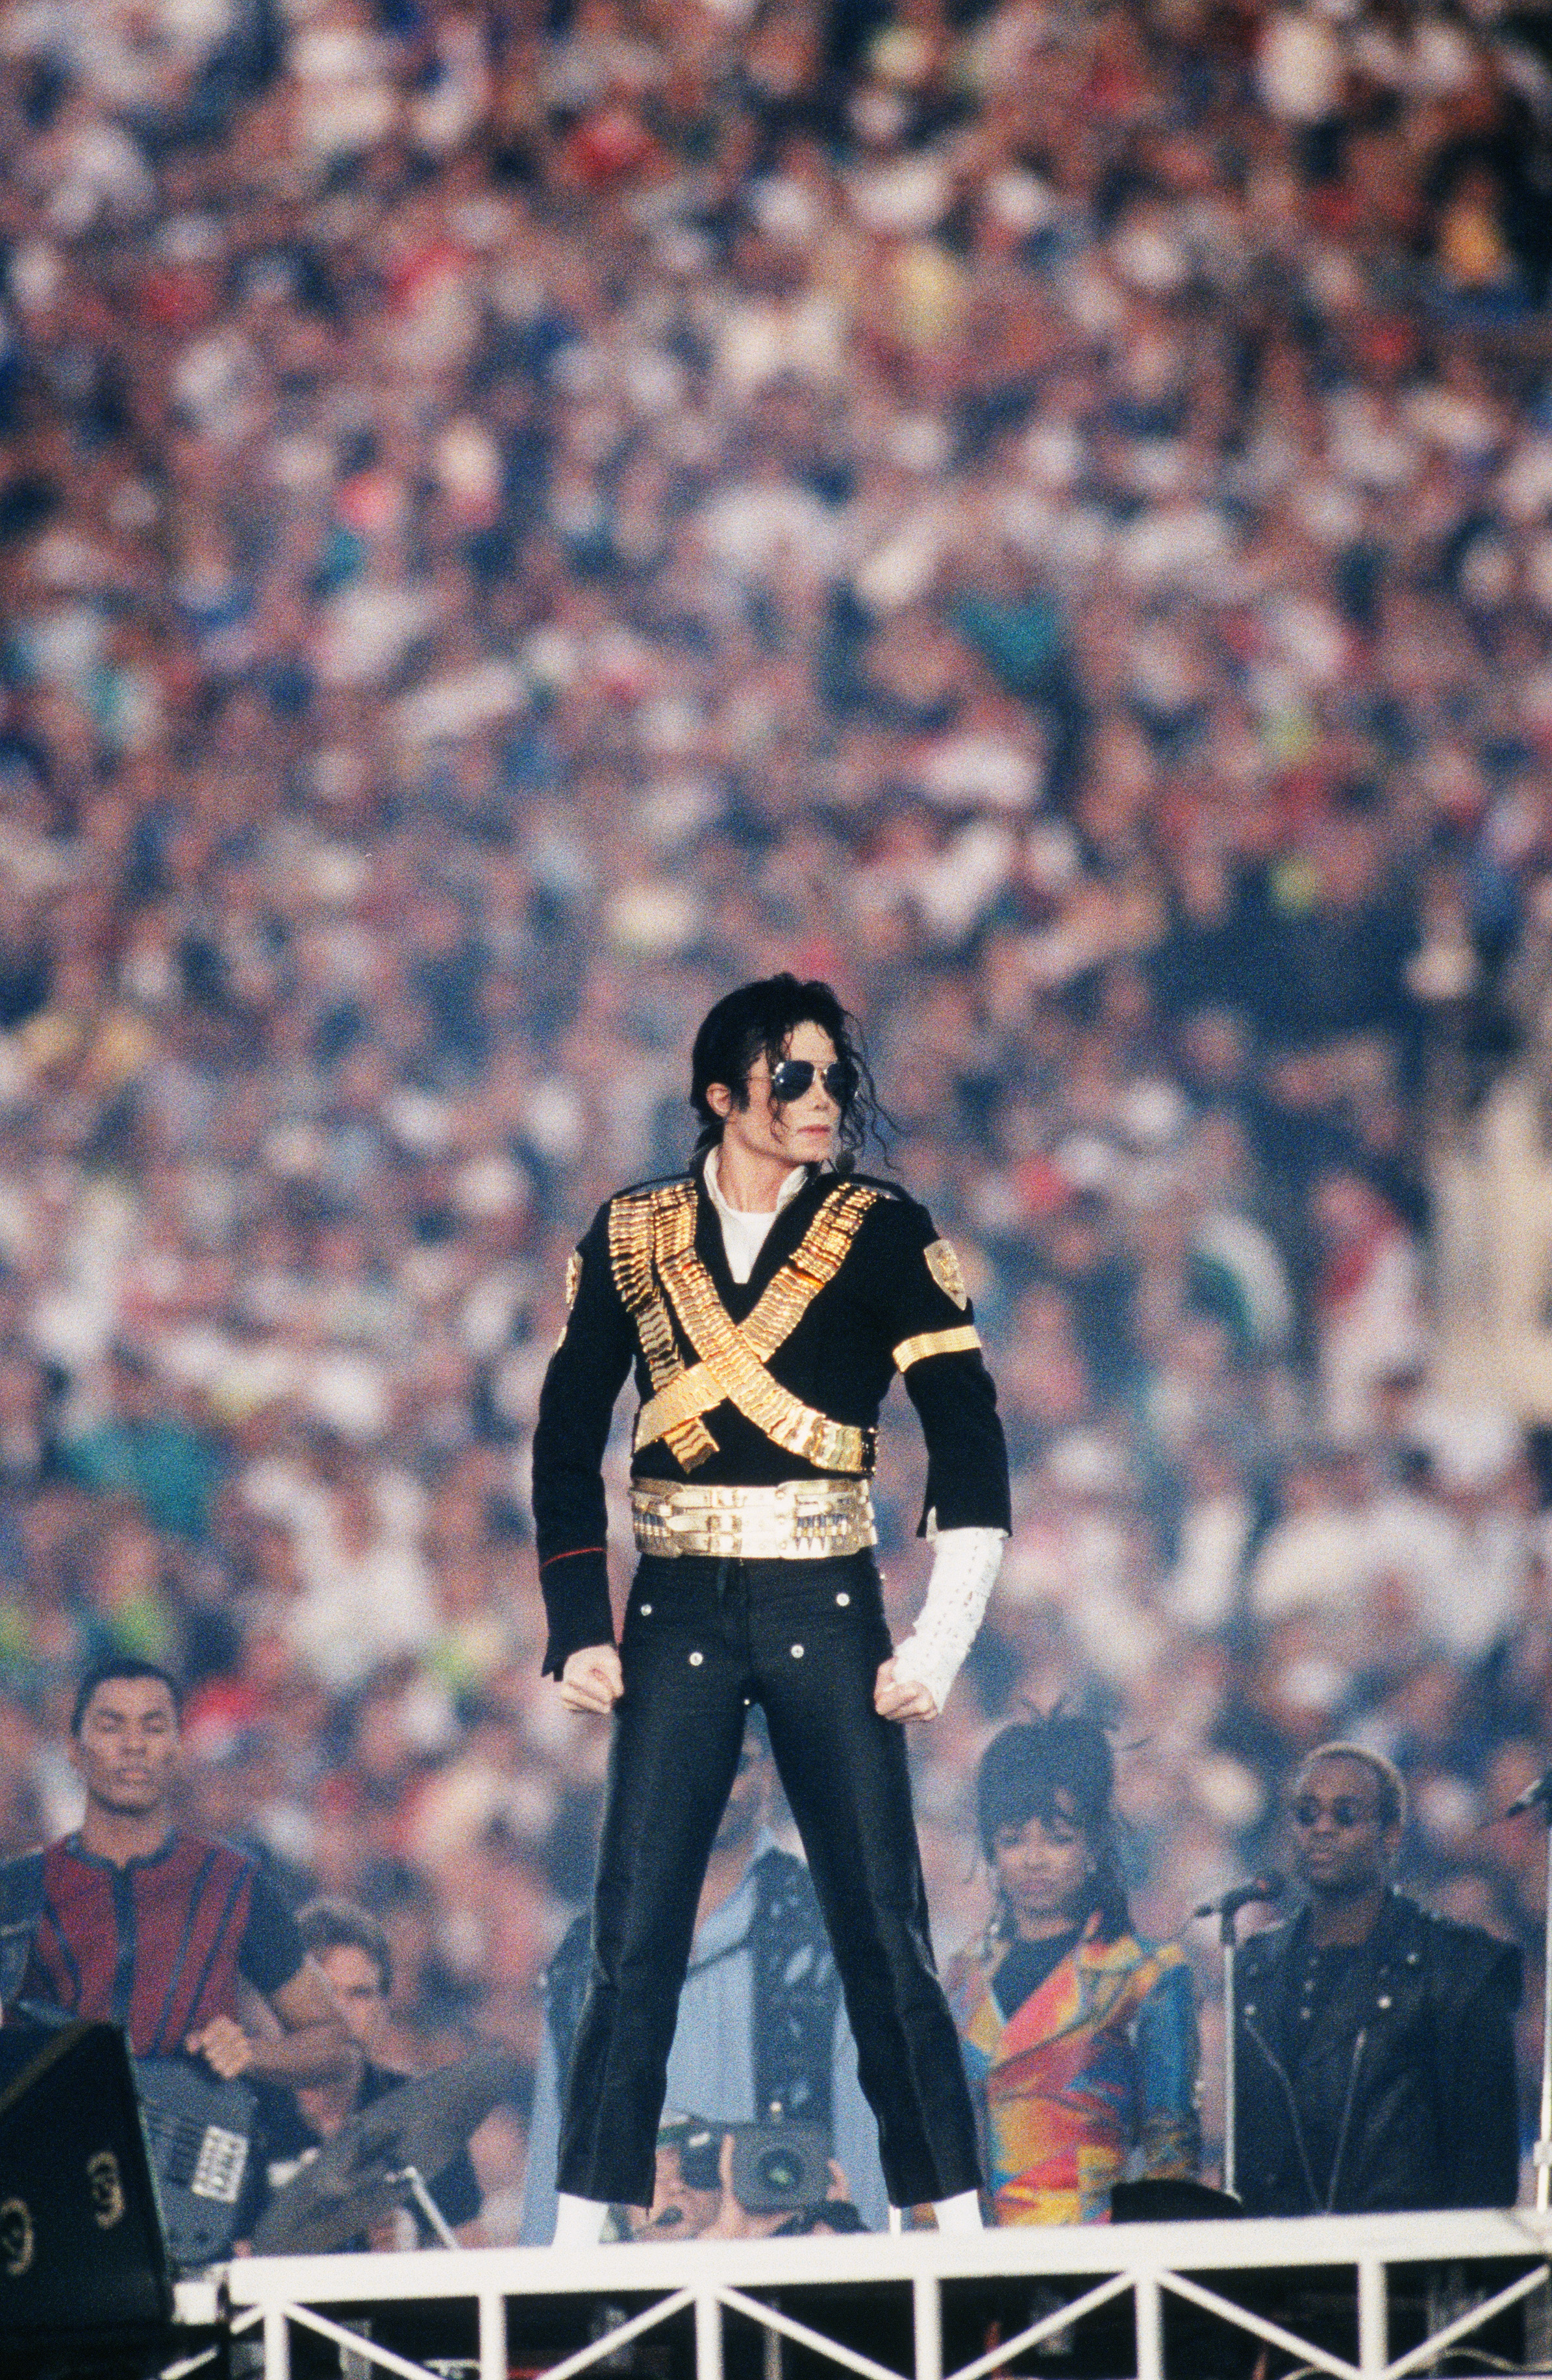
(223, 2045)
(898, 1697)
(592, 1680)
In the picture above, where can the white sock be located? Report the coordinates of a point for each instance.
(960, 2214)
(579, 2221)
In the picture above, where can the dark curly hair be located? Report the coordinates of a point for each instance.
(759, 1020)
(1060, 1770)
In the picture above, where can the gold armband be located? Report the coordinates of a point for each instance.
(960, 1341)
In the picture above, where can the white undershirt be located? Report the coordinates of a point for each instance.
(744, 1233)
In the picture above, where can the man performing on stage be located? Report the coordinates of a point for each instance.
(766, 1300)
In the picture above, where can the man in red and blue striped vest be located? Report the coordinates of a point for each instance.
(136, 1924)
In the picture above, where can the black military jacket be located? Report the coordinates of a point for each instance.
(1397, 2090)
(888, 1297)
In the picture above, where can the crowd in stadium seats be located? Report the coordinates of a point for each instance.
(515, 517)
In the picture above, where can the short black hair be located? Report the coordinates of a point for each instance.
(121, 1665)
(759, 1020)
(1058, 1768)
(327, 1924)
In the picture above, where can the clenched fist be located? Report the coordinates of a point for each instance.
(898, 1697)
(592, 1680)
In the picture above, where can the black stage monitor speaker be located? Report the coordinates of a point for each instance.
(81, 2237)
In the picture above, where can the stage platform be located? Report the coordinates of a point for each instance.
(1364, 2298)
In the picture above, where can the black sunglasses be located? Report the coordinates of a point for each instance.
(1341, 1812)
(793, 1077)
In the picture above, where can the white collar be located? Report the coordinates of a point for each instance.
(746, 1215)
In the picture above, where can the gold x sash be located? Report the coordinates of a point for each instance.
(733, 1357)
(645, 1226)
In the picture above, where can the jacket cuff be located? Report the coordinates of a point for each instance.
(575, 1589)
(966, 1503)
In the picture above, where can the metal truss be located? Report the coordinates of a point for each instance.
(1198, 2264)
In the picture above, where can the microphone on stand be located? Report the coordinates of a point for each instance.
(1226, 1908)
(1540, 1793)
(1270, 1886)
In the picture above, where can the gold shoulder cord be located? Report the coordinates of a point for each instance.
(733, 1357)
(638, 1225)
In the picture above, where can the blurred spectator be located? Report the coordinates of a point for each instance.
(140, 1448)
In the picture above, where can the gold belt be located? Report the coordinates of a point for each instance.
(803, 1520)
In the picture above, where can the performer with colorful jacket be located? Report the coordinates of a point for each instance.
(1079, 2040)
(765, 1300)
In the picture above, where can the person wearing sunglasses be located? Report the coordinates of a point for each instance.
(764, 1300)
(1376, 2065)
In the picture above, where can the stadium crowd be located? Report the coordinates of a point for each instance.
(515, 517)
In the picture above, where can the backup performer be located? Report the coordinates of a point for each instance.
(1377, 2039)
(1080, 2040)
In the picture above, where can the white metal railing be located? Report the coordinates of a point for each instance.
(1150, 2263)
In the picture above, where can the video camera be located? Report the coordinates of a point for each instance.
(778, 2167)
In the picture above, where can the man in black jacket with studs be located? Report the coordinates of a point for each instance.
(1376, 2052)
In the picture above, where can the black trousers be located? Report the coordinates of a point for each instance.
(702, 1641)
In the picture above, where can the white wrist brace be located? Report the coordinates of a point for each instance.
(965, 1569)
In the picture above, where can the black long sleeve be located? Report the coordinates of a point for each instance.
(576, 1405)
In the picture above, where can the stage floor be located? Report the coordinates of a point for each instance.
(1364, 2298)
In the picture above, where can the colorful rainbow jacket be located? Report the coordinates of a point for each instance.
(1092, 2081)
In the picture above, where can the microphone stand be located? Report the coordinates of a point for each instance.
(1542, 2151)
(1264, 1887)
(1228, 1923)
(1539, 1796)
(410, 2181)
